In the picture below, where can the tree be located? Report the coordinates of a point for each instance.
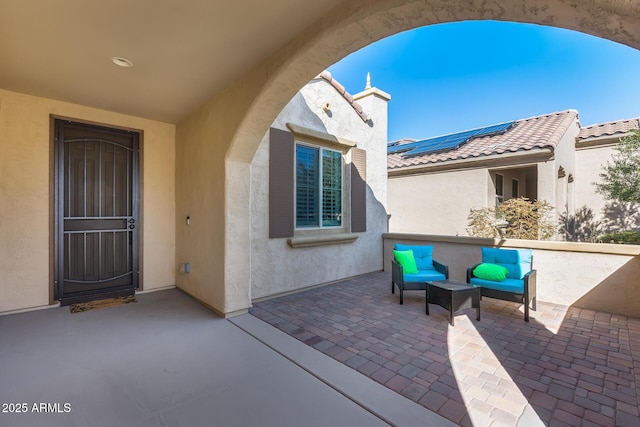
(513, 219)
(621, 176)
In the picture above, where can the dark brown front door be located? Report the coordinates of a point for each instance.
(97, 203)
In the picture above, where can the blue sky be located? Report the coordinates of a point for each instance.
(451, 77)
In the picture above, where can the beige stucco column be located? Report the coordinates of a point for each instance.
(237, 268)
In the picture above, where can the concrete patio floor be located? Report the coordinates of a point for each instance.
(567, 366)
(168, 361)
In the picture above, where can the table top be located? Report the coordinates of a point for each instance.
(451, 285)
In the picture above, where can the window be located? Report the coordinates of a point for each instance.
(499, 189)
(318, 187)
(515, 188)
(311, 190)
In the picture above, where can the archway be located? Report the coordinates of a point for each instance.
(361, 23)
(234, 122)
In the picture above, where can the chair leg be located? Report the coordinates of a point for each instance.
(533, 303)
(401, 296)
(393, 287)
(526, 310)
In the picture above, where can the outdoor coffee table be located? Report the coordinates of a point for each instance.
(453, 296)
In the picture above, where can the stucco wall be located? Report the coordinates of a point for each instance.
(589, 165)
(200, 194)
(547, 181)
(565, 157)
(436, 203)
(26, 195)
(275, 266)
(598, 277)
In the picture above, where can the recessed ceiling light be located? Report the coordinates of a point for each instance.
(122, 62)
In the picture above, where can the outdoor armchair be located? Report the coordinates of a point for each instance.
(425, 269)
(516, 284)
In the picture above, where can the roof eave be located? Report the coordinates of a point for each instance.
(597, 141)
(490, 161)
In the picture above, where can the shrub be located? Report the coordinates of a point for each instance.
(622, 237)
(513, 219)
(482, 223)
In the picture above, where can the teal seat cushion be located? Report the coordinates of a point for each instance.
(423, 255)
(516, 261)
(507, 285)
(424, 276)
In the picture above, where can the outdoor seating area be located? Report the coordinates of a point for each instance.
(505, 274)
(413, 266)
(566, 366)
(516, 282)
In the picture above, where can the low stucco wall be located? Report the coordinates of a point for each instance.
(599, 277)
(26, 196)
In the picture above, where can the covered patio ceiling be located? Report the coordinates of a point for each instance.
(186, 52)
(183, 52)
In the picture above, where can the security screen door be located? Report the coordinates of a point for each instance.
(97, 203)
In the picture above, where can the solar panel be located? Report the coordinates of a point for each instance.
(447, 142)
(398, 148)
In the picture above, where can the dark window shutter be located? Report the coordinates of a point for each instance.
(358, 190)
(281, 158)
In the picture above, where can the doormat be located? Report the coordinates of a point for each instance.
(102, 303)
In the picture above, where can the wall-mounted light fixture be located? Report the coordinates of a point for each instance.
(122, 62)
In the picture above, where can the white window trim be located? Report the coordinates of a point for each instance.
(320, 138)
(320, 227)
(307, 237)
(517, 183)
(499, 197)
(321, 240)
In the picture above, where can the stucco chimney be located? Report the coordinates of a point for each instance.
(374, 102)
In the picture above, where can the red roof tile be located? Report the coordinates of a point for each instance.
(609, 128)
(326, 75)
(536, 132)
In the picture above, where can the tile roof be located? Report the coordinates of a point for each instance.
(544, 131)
(609, 128)
(326, 75)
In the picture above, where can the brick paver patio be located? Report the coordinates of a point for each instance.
(567, 366)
